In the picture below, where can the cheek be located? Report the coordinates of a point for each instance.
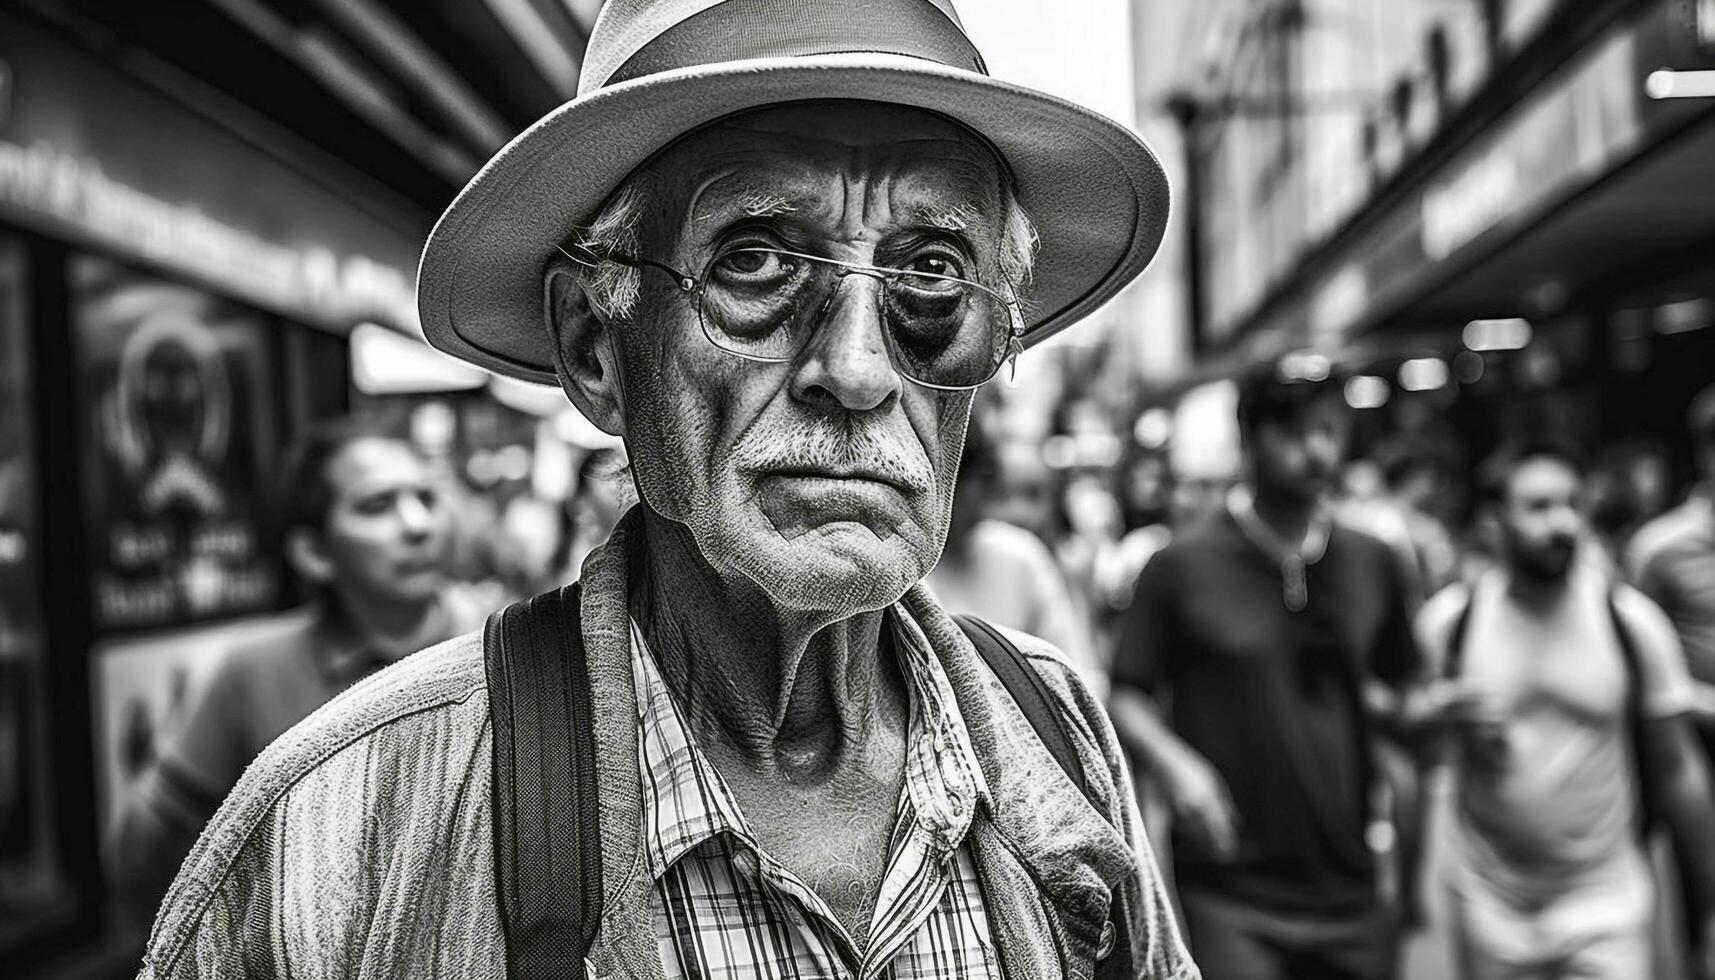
(359, 541)
(682, 416)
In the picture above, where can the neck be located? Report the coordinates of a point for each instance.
(384, 624)
(793, 694)
(1536, 591)
(1287, 516)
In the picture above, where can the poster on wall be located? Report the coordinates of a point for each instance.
(179, 439)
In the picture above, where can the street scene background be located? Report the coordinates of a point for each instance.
(1490, 219)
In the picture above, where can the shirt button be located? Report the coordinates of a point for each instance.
(1106, 944)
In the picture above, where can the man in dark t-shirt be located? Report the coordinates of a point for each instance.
(1278, 640)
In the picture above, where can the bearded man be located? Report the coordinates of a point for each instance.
(776, 255)
(1568, 704)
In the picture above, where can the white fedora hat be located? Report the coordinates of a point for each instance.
(656, 70)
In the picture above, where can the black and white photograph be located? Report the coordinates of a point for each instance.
(884, 490)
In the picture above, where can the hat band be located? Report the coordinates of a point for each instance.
(738, 30)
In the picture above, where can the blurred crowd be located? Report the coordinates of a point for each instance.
(1283, 647)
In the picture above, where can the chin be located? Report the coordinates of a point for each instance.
(839, 569)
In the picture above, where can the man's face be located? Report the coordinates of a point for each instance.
(1299, 456)
(172, 394)
(387, 529)
(1540, 518)
(827, 479)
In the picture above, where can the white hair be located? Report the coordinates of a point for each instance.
(613, 289)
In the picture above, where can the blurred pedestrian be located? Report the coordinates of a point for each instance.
(601, 496)
(1147, 491)
(1262, 629)
(1399, 511)
(365, 527)
(1002, 572)
(1628, 487)
(1567, 697)
(1672, 559)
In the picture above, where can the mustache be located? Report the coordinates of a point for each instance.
(851, 445)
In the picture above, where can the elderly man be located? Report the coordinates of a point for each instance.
(778, 269)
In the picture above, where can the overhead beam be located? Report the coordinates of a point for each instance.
(556, 57)
(584, 13)
(339, 74)
(405, 54)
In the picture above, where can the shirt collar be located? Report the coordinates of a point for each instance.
(686, 802)
(1241, 504)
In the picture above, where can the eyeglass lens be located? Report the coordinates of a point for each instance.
(941, 330)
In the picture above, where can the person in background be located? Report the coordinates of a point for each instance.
(1628, 488)
(1002, 572)
(1566, 696)
(365, 527)
(1672, 559)
(1147, 490)
(1262, 630)
(604, 492)
(1406, 479)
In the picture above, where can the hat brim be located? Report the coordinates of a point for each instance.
(1096, 193)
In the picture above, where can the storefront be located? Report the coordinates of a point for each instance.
(177, 281)
(1584, 211)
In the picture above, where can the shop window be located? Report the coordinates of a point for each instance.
(30, 879)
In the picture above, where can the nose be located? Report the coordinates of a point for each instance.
(846, 363)
(1324, 449)
(416, 517)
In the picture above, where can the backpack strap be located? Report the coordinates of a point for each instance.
(1641, 766)
(547, 853)
(1028, 689)
(1461, 632)
(1049, 721)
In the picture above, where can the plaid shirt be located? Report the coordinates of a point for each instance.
(725, 909)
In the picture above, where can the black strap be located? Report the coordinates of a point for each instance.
(1456, 639)
(1028, 689)
(547, 848)
(1642, 767)
(1045, 716)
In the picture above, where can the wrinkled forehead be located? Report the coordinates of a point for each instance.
(849, 160)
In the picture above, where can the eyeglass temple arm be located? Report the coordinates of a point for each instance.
(582, 255)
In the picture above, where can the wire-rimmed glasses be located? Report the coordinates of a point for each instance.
(762, 304)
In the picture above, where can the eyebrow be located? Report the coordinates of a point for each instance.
(957, 217)
(948, 217)
(764, 204)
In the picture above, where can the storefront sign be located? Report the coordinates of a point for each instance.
(1580, 125)
(85, 152)
(312, 282)
(1470, 204)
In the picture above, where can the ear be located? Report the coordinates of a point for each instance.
(584, 351)
(307, 554)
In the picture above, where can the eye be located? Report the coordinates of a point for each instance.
(936, 264)
(373, 505)
(754, 264)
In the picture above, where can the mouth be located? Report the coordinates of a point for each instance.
(855, 474)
